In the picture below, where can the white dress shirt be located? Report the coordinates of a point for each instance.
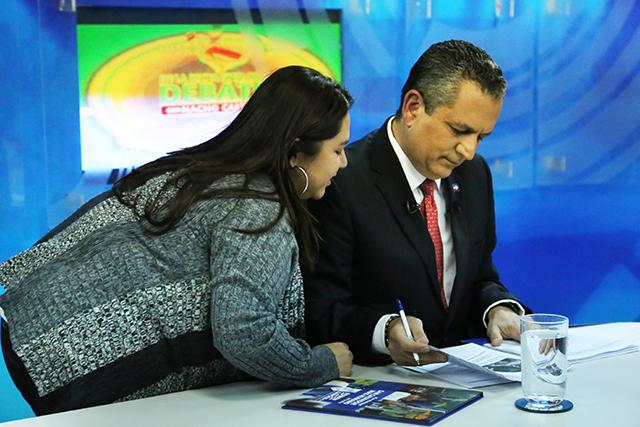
(415, 179)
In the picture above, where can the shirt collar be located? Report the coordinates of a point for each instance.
(414, 178)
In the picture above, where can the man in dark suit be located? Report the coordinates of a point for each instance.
(412, 218)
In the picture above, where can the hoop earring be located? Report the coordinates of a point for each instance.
(306, 178)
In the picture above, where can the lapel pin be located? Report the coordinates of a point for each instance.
(455, 187)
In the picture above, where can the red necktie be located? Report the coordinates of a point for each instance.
(429, 211)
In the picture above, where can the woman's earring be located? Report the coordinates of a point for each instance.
(306, 178)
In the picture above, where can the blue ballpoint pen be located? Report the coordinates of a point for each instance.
(405, 325)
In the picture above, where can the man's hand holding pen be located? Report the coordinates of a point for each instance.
(401, 348)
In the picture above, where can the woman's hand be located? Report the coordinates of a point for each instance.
(343, 356)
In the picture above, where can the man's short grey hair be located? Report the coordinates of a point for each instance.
(438, 73)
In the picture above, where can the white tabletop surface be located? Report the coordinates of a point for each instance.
(605, 393)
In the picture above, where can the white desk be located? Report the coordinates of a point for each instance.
(605, 393)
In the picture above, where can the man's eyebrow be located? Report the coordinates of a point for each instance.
(463, 127)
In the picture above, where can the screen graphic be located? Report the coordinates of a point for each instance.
(149, 89)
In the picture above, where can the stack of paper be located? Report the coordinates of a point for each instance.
(472, 365)
(593, 342)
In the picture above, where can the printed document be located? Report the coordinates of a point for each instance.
(472, 365)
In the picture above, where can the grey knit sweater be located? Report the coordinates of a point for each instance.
(102, 311)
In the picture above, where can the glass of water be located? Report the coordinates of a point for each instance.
(543, 339)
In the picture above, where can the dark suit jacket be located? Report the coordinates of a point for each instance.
(376, 248)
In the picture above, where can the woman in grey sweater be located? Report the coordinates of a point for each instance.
(186, 273)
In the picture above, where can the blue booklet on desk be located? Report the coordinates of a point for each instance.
(384, 400)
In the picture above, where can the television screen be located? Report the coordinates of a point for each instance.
(154, 81)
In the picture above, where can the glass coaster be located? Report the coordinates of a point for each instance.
(564, 406)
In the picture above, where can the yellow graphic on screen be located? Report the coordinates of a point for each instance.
(185, 87)
(220, 51)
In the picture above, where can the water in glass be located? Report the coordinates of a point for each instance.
(544, 366)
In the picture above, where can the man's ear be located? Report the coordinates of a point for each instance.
(412, 105)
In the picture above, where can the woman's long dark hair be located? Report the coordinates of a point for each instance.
(292, 111)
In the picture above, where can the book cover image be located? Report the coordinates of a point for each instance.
(410, 403)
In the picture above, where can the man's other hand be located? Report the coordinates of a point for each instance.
(504, 323)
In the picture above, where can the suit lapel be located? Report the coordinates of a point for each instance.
(390, 179)
(454, 188)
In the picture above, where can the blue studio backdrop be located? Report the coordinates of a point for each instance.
(565, 153)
